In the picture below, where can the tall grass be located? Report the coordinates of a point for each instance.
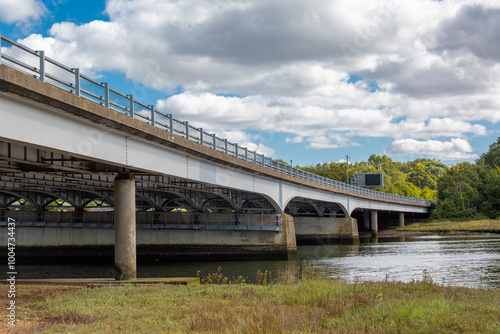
(309, 304)
(483, 226)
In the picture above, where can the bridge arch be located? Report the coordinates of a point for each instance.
(297, 205)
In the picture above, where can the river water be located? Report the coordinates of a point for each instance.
(471, 261)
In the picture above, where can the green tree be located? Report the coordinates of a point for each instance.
(458, 192)
(436, 168)
(376, 160)
(492, 157)
(421, 177)
(405, 189)
(428, 194)
(491, 205)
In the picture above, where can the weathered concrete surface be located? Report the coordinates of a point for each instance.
(401, 219)
(319, 229)
(366, 219)
(374, 223)
(290, 237)
(35, 243)
(63, 236)
(125, 234)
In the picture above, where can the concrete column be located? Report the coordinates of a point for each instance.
(288, 227)
(401, 219)
(325, 230)
(366, 219)
(125, 238)
(374, 221)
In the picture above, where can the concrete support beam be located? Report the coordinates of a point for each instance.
(374, 223)
(321, 230)
(401, 219)
(366, 219)
(125, 228)
(289, 237)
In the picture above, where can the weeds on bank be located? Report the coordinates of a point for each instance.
(219, 278)
(306, 271)
(483, 226)
(262, 278)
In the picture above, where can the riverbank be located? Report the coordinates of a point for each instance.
(465, 227)
(311, 305)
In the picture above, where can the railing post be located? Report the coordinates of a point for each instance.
(214, 137)
(236, 150)
(131, 108)
(77, 82)
(246, 153)
(41, 55)
(171, 125)
(187, 130)
(225, 146)
(201, 136)
(106, 94)
(254, 157)
(152, 107)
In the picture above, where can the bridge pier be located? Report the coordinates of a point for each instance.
(374, 223)
(290, 237)
(366, 219)
(125, 228)
(401, 219)
(318, 230)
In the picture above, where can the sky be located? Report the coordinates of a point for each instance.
(303, 81)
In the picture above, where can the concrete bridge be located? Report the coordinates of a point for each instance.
(83, 165)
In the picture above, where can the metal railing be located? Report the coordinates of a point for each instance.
(146, 220)
(36, 64)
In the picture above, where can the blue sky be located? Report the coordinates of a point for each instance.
(303, 81)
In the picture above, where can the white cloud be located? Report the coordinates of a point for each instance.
(455, 149)
(295, 140)
(14, 11)
(275, 66)
(245, 140)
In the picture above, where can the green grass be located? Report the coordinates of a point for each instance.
(483, 226)
(310, 305)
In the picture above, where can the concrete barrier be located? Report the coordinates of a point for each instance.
(33, 244)
(317, 230)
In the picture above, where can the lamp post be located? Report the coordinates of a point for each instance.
(347, 158)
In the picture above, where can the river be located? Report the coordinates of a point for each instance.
(470, 261)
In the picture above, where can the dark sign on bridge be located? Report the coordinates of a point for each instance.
(369, 180)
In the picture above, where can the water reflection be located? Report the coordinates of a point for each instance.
(460, 261)
(463, 261)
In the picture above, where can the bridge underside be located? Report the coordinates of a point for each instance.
(35, 179)
(40, 177)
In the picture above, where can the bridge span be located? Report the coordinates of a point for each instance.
(118, 172)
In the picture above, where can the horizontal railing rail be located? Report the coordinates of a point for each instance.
(146, 220)
(37, 65)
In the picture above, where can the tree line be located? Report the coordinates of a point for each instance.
(463, 191)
